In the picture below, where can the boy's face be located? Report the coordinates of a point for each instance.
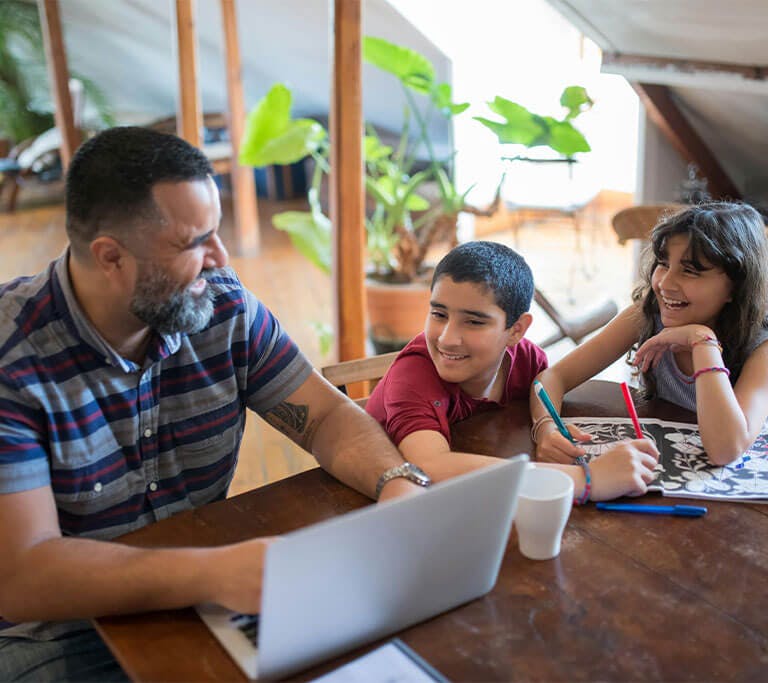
(466, 334)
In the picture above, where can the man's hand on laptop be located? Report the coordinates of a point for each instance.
(400, 486)
(235, 574)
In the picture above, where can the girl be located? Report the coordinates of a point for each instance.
(697, 327)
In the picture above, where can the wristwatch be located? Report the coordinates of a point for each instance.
(408, 470)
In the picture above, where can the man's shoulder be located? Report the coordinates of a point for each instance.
(26, 306)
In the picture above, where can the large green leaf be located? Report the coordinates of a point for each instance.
(411, 68)
(310, 233)
(520, 126)
(271, 137)
(576, 100)
(565, 139)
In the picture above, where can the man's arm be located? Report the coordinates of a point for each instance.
(346, 441)
(44, 576)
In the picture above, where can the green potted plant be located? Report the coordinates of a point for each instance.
(401, 224)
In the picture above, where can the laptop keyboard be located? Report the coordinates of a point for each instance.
(248, 624)
(237, 633)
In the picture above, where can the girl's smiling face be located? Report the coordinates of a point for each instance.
(688, 292)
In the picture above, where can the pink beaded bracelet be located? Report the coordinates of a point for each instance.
(714, 368)
(584, 497)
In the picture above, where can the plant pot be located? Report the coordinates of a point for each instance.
(396, 313)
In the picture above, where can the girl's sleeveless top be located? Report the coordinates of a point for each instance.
(675, 386)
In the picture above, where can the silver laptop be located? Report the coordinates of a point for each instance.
(333, 586)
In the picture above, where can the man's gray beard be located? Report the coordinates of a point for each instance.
(179, 311)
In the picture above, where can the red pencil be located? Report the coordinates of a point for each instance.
(631, 410)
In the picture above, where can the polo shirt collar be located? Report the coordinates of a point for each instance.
(161, 347)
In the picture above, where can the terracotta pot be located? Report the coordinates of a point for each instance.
(396, 313)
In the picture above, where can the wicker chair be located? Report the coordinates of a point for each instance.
(636, 222)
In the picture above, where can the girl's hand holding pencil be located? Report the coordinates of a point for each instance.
(552, 446)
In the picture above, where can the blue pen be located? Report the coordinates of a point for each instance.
(538, 387)
(676, 510)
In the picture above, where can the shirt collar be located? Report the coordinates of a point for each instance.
(160, 347)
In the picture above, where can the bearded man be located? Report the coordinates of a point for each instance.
(126, 368)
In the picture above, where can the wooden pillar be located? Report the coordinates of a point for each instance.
(189, 115)
(58, 74)
(347, 201)
(243, 185)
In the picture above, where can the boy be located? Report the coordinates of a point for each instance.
(473, 356)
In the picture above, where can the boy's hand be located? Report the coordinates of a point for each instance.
(624, 470)
(554, 447)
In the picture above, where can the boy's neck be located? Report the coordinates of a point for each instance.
(495, 389)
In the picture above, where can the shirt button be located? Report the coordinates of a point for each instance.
(147, 433)
(153, 486)
(437, 404)
(97, 486)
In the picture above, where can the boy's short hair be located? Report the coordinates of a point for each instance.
(496, 267)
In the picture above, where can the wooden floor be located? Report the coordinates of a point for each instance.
(300, 295)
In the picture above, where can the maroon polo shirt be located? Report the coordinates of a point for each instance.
(412, 397)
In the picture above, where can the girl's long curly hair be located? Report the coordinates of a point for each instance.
(730, 236)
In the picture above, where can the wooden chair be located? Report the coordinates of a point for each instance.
(368, 370)
(577, 327)
(636, 222)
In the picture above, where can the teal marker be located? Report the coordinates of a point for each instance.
(538, 387)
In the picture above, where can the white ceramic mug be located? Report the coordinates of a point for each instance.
(544, 504)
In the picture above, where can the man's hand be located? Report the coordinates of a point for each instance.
(236, 574)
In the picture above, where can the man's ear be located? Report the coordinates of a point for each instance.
(519, 328)
(108, 254)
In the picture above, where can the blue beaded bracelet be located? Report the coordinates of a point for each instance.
(587, 481)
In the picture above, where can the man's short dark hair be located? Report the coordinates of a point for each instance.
(496, 267)
(109, 182)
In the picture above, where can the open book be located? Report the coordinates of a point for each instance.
(683, 470)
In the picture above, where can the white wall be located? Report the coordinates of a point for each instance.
(525, 51)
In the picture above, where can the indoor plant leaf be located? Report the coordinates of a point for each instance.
(441, 97)
(309, 233)
(566, 139)
(271, 137)
(410, 67)
(576, 100)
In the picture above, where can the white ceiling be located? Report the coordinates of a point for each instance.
(127, 48)
(729, 112)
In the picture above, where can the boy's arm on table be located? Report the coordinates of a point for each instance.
(625, 470)
(580, 365)
(346, 441)
(44, 576)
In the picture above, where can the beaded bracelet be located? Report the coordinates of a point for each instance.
(709, 340)
(535, 428)
(714, 368)
(584, 497)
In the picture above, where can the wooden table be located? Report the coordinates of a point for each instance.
(630, 597)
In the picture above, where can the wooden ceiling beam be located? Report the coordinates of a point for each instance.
(346, 180)
(664, 112)
(687, 72)
(58, 73)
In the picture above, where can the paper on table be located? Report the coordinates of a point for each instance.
(393, 662)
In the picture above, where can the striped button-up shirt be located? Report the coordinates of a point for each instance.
(122, 445)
